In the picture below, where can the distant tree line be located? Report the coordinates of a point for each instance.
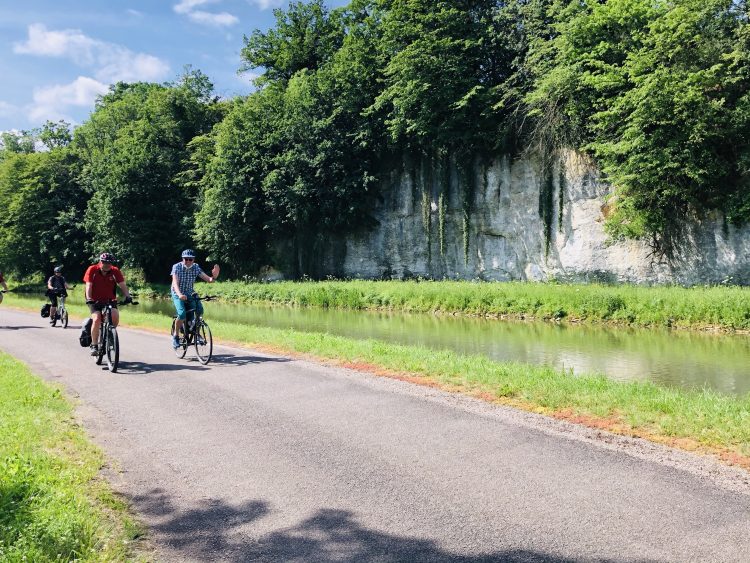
(657, 92)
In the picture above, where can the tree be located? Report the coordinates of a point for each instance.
(305, 37)
(16, 142)
(133, 148)
(41, 224)
(655, 92)
(55, 135)
(445, 73)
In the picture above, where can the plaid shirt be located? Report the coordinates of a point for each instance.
(185, 277)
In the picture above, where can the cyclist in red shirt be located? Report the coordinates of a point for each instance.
(101, 282)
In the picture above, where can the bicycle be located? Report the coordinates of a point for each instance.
(198, 334)
(62, 313)
(109, 342)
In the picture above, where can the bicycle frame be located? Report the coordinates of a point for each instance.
(194, 332)
(61, 312)
(109, 341)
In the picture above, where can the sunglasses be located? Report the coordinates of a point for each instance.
(188, 259)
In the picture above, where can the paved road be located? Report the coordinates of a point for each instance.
(259, 458)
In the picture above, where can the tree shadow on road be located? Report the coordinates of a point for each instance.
(20, 327)
(142, 368)
(212, 532)
(232, 360)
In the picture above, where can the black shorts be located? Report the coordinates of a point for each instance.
(98, 306)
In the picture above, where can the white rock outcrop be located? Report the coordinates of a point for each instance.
(507, 235)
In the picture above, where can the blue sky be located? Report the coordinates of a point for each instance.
(56, 56)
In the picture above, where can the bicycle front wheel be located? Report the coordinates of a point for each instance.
(64, 318)
(112, 350)
(181, 350)
(204, 344)
(102, 344)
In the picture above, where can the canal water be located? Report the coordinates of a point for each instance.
(673, 358)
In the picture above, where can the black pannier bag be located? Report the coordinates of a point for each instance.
(85, 338)
(45, 310)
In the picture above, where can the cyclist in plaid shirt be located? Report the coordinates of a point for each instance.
(184, 275)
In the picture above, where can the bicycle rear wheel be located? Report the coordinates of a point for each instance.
(112, 350)
(64, 318)
(181, 350)
(204, 344)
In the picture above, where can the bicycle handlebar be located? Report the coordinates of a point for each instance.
(204, 298)
(113, 302)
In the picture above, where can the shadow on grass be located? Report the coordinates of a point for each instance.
(217, 531)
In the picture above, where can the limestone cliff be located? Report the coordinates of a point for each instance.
(524, 223)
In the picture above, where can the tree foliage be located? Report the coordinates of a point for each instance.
(133, 148)
(42, 223)
(656, 91)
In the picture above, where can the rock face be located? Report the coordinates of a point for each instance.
(523, 224)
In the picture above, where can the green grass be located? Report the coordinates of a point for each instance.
(707, 418)
(53, 506)
(723, 307)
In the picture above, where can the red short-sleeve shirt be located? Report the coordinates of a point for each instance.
(103, 284)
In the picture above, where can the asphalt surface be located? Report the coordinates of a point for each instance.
(261, 458)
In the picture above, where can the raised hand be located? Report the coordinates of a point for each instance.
(215, 271)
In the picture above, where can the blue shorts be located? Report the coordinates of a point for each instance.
(182, 306)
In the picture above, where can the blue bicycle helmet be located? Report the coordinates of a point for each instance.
(188, 253)
(58, 269)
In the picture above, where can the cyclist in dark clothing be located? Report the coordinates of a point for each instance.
(56, 287)
(5, 286)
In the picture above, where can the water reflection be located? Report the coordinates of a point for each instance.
(676, 358)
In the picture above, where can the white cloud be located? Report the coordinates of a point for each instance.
(135, 13)
(6, 109)
(51, 102)
(111, 62)
(265, 4)
(124, 65)
(69, 43)
(217, 20)
(221, 19)
(187, 6)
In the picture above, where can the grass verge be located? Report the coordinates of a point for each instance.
(53, 506)
(699, 307)
(704, 420)
(726, 308)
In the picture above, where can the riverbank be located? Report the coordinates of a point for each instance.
(693, 420)
(53, 505)
(697, 308)
(700, 308)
